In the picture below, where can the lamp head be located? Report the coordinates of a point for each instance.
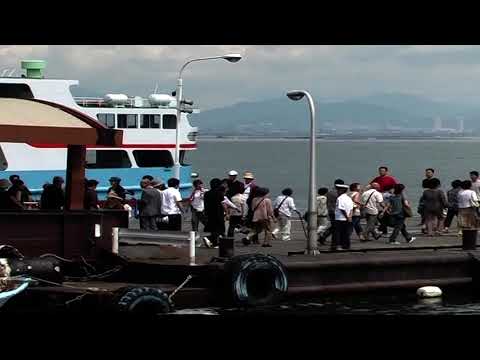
(295, 95)
(233, 58)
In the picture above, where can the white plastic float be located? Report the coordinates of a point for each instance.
(429, 292)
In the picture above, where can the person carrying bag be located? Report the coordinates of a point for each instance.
(276, 211)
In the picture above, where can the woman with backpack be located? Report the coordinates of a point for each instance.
(283, 207)
(434, 203)
(262, 212)
(398, 208)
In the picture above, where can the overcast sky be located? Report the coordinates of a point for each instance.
(449, 73)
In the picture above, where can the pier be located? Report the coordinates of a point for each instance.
(148, 261)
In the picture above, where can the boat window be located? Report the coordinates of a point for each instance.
(153, 158)
(150, 121)
(107, 119)
(182, 157)
(19, 91)
(127, 121)
(169, 121)
(107, 159)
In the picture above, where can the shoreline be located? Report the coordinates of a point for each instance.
(336, 139)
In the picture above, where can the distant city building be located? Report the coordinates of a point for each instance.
(437, 124)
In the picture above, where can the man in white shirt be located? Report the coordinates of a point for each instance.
(285, 205)
(343, 219)
(371, 201)
(171, 205)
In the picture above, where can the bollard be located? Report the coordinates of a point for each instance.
(115, 240)
(469, 239)
(225, 247)
(192, 247)
(98, 230)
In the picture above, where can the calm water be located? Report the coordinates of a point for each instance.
(281, 163)
(451, 303)
(284, 163)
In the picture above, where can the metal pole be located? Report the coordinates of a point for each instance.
(312, 248)
(176, 164)
(192, 247)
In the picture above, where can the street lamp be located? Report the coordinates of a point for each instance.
(312, 248)
(233, 58)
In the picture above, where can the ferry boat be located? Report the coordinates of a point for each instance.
(149, 126)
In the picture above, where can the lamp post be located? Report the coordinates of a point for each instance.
(233, 58)
(312, 248)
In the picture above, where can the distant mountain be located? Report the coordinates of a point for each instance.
(375, 112)
(416, 105)
(283, 115)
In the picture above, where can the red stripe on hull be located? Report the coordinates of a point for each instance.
(128, 146)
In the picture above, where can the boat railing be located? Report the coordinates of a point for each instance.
(100, 102)
(89, 101)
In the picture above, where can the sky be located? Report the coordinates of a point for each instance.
(330, 72)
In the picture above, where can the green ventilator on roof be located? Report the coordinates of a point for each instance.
(34, 68)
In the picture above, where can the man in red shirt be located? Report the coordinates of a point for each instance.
(384, 180)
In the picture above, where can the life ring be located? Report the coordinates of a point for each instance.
(142, 300)
(429, 292)
(255, 280)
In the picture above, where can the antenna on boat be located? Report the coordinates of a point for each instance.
(156, 88)
(13, 72)
(4, 72)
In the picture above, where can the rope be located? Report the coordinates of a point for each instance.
(57, 257)
(86, 263)
(96, 276)
(189, 277)
(56, 284)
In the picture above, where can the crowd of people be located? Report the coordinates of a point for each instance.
(248, 209)
(245, 206)
(382, 204)
(15, 195)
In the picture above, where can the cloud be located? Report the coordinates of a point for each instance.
(266, 71)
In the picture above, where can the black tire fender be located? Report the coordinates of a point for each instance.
(255, 280)
(145, 300)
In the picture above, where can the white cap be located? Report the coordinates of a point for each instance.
(341, 186)
(232, 173)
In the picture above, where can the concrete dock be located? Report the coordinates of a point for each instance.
(298, 241)
(368, 267)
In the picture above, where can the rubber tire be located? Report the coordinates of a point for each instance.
(237, 272)
(142, 300)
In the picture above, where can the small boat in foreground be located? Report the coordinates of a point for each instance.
(10, 287)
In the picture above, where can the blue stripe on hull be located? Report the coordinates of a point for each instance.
(131, 177)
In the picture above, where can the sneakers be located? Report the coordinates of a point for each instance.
(207, 242)
(339, 248)
(412, 239)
